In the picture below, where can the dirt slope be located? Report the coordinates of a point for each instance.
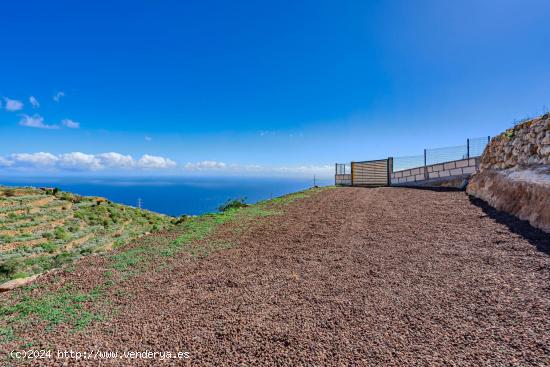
(349, 276)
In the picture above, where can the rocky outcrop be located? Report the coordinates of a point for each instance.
(16, 283)
(525, 144)
(514, 172)
(524, 193)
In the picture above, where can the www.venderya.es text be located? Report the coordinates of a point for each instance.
(97, 354)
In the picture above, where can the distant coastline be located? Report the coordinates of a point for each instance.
(173, 195)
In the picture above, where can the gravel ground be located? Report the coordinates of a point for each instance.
(350, 276)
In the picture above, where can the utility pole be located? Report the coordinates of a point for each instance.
(314, 181)
(139, 203)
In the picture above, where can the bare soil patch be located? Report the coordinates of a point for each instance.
(349, 276)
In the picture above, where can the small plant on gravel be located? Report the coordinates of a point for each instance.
(6, 335)
(233, 204)
(63, 306)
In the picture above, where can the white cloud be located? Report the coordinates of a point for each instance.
(115, 160)
(79, 161)
(148, 138)
(4, 162)
(205, 165)
(36, 121)
(71, 124)
(13, 105)
(151, 161)
(33, 159)
(34, 102)
(306, 169)
(58, 96)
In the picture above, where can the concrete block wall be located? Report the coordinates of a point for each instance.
(459, 168)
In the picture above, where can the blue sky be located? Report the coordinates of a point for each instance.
(281, 87)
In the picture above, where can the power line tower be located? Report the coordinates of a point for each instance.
(139, 203)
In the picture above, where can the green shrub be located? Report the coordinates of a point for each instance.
(61, 259)
(9, 192)
(8, 267)
(86, 251)
(49, 247)
(48, 235)
(180, 220)
(20, 275)
(5, 238)
(61, 234)
(233, 204)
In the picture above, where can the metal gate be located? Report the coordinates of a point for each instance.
(371, 173)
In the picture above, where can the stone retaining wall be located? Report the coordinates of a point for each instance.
(525, 144)
(515, 172)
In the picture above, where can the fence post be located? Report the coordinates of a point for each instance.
(390, 169)
(351, 166)
(425, 169)
(335, 172)
(468, 148)
(488, 139)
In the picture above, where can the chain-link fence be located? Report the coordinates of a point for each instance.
(473, 148)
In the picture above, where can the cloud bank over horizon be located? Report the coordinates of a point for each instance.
(79, 162)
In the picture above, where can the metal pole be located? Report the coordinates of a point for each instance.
(425, 169)
(424, 157)
(468, 148)
(390, 169)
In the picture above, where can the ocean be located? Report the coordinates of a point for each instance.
(174, 196)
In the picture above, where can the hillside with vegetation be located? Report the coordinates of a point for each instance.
(42, 229)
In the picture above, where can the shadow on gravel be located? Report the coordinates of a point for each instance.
(535, 236)
(431, 188)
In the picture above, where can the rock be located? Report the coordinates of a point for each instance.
(523, 192)
(15, 283)
(515, 173)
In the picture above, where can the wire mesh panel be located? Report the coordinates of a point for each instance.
(477, 146)
(370, 173)
(342, 169)
(447, 154)
(403, 163)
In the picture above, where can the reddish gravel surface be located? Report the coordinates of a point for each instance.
(350, 276)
